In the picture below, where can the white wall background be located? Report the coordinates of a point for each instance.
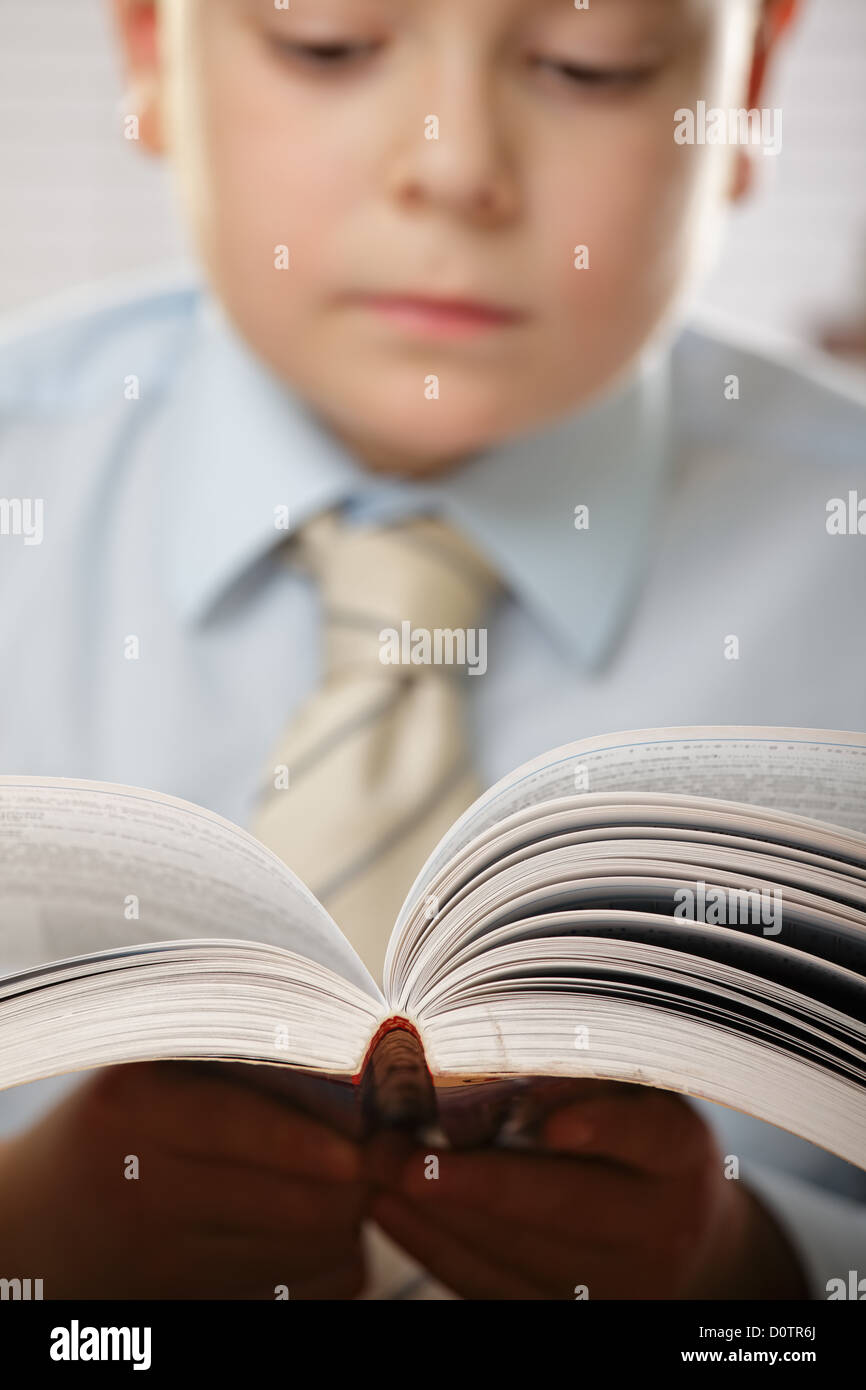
(78, 202)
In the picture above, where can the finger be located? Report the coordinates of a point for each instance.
(554, 1264)
(564, 1270)
(586, 1200)
(234, 1267)
(653, 1132)
(268, 1265)
(383, 1157)
(446, 1257)
(542, 1095)
(223, 1197)
(210, 1117)
(629, 1270)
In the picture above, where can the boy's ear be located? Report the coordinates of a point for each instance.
(775, 18)
(137, 25)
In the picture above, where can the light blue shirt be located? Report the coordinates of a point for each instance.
(159, 449)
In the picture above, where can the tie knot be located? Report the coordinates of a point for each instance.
(409, 594)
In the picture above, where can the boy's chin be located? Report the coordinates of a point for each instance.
(393, 459)
(419, 447)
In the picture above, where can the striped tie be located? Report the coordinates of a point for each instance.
(377, 759)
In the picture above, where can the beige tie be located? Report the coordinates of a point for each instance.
(377, 758)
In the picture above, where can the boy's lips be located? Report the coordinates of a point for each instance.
(439, 316)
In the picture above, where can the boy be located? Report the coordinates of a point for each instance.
(349, 170)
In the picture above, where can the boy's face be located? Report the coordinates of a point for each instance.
(309, 128)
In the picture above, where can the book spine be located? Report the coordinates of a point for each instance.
(395, 1083)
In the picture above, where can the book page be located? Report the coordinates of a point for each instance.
(90, 866)
(585, 1006)
(808, 772)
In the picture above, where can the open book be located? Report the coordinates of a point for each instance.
(683, 908)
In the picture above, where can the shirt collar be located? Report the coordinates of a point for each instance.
(242, 444)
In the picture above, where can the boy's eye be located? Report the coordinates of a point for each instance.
(578, 74)
(324, 55)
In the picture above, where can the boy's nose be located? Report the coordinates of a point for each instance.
(457, 158)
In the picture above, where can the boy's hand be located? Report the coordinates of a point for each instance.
(237, 1193)
(625, 1195)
